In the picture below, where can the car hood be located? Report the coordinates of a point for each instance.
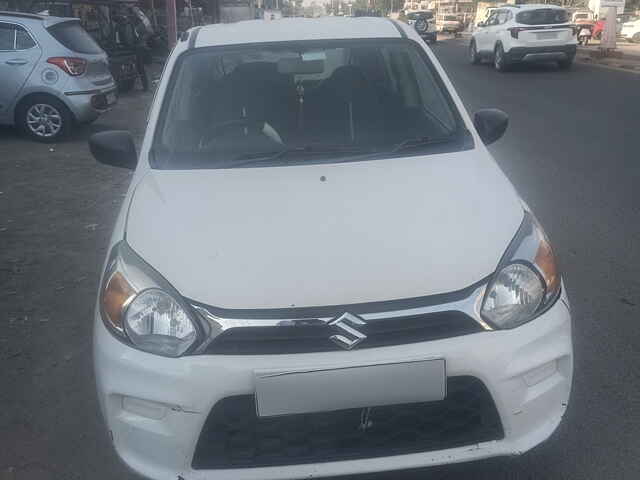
(325, 234)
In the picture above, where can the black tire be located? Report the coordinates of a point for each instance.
(565, 64)
(499, 61)
(126, 85)
(474, 56)
(44, 118)
(636, 38)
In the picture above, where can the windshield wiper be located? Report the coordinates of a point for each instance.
(269, 157)
(416, 142)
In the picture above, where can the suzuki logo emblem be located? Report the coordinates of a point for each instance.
(349, 337)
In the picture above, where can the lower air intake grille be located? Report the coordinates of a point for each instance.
(234, 437)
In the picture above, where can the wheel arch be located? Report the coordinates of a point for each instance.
(35, 94)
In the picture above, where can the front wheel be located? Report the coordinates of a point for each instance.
(474, 57)
(499, 61)
(44, 118)
(636, 38)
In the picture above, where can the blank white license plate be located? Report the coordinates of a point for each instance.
(546, 35)
(111, 98)
(287, 392)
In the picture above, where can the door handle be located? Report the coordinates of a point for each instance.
(17, 61)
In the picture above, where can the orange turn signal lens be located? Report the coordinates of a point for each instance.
(115, 297)
(545, 260)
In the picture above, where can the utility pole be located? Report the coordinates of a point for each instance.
(608, 41)
(172, 23)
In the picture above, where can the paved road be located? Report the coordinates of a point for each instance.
(57, 209)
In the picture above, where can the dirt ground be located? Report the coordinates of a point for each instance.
(57, 209)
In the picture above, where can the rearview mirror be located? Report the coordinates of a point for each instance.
(491, 124)
(114, 148)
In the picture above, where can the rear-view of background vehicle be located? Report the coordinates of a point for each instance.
(425, 24)
(118, 26)
(524, 33)
(448, 23)
(53, 75)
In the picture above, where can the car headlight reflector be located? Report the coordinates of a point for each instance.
(156, 323)
(142, 309)
(527, 280)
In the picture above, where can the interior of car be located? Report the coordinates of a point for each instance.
(362, 95)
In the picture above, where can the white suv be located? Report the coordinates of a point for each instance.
(631, 30)
(524, 33)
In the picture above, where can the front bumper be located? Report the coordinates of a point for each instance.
(155, 407)
(541, 54)
(87, 105)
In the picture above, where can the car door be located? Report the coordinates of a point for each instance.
(498, 18)
(19, 54)
(482, 37)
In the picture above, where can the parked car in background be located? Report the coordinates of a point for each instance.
(53, 75)
(319, 269)
(524, 33)
(631, 30)
(425, 24)
(448, 24)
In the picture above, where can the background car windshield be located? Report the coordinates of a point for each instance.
(229, 104)
(543, 16)
(74, 37)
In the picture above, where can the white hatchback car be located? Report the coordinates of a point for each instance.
(524, 33)
(319, 269)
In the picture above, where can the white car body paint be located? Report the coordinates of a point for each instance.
(155, 407)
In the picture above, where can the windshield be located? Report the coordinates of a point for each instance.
(416, 15)
(312, 101)
(543, 16)
(74, 37)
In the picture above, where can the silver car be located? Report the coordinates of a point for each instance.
(53, 75)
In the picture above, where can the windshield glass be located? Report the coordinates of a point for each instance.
(416, 15)
(338, 98)
(543, 16)
(74, 37)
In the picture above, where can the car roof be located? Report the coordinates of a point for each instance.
(532, 6)
(22, 16)
(296, 29)
(33, 18)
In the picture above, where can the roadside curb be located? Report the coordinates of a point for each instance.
(617, 64)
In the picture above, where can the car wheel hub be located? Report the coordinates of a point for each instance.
(44, 120)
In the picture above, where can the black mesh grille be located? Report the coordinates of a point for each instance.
(234, 437)
(315, 338)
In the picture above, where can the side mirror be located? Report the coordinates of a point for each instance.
(114, 148)
(491, 124)
(480, 24)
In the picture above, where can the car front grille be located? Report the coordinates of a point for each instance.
(233, 435)
(316, 337)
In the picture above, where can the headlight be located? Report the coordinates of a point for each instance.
(141, 308)
(527, 281)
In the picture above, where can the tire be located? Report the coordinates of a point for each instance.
(474, 57)
(565, 64)
(636, 38)
(126, 85)
(44, 118)
(499, 61)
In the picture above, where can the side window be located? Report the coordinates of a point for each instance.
(502, 17)
(492, 19)
(7, 36)
(23, 39)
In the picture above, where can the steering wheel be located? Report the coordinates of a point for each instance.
(217, 129)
